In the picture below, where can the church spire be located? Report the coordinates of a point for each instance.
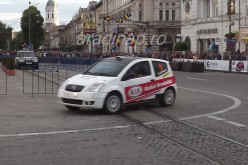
(52, 14)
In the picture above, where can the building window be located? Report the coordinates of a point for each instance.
(247, 9)
(48, 15)
(173, 15)
(161, 15)
(167, 13)
(140, 16)
(215, 10)
(140, 12)
(52, 15)
(208, 8)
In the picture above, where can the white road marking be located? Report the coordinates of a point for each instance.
(234, 123)
(216, 118)
(237, 103)
(226, 121)
(191, 78)
(64, 132)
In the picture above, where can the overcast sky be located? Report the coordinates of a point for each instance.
(11, 10)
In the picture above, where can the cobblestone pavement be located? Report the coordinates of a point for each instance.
(37, 130)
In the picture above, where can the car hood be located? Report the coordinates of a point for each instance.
(87, 80)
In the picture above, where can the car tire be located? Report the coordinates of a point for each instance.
(168, 98)
(113, 103)
(72, 108)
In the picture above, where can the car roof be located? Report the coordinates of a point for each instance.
(128, 59)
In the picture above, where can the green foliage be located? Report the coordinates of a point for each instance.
(32, 18)
(181, 46)
(9, 63)
(16, 43)
(5, 36)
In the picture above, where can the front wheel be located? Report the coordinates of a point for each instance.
(72, 108)
(113, 103)
(168, 98)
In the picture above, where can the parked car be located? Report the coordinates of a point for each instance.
(25, 58)
(115, 82)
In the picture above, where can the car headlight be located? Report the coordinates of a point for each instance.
(35, 60)
(95, 87)
(20, 60)
(62, 86)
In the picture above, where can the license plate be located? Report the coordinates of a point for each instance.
(70, 95)
(29, 63)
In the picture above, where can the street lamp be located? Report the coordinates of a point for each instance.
(231, 10)
(29, 22)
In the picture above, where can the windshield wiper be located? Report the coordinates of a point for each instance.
(103, 74)
(88, 73)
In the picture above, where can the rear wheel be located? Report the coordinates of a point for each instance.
(113, 103)
(168, 98)
(72, 108)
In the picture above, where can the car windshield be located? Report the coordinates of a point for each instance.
(25, 54)
(107, 67)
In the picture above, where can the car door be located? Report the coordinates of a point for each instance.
(163, 77)
(137, 83)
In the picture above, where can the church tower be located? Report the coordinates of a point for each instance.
(52, 13)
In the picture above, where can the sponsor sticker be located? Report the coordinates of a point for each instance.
(141, 91)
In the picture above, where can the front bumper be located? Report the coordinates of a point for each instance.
(26, 64)
(84, 100)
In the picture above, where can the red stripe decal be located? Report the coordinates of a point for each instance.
(141, 91)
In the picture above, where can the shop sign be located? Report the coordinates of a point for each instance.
(217, 41)
(207, 31)
(89, 31)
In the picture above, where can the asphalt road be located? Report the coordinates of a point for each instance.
(37, 130)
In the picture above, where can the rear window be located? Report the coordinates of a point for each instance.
(159, 67)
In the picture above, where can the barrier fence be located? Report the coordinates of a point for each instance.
(3, 81)
(220, 65)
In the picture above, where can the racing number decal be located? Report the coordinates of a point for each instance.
(141, 91)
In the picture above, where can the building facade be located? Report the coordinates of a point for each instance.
(150, 19)
(51, 25)
(206, 25)
(52, 12)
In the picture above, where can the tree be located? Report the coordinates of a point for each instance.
(181, 46)
(5, 36)
(17, 42)
(31, 24)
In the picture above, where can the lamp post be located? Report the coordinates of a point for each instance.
(91, 38)
(29, 23)
(231, 10)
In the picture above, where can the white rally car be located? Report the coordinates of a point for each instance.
(117, 81)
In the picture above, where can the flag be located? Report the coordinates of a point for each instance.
(133, 40)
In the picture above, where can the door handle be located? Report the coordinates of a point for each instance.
(152, 80)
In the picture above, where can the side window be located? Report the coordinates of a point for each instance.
(159, 68)
(141, 69)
